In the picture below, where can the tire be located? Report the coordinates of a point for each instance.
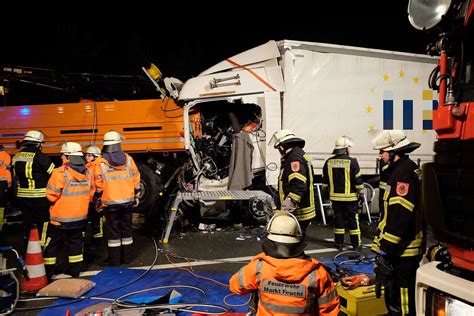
(258, 212)
(151, 185)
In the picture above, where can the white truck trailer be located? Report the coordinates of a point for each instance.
(321, 92)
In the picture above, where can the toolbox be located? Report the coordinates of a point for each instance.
(360, 301)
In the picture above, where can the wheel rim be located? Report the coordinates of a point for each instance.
(258, 208)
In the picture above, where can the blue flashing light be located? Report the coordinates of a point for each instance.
(25, 111)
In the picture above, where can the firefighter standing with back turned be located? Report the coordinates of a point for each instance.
(32, 169)
(93, 215)
(5, 183)
(342, 177)
(286, 280)
(69, 189)
(401, 237)
(117, 183)
(295, 183)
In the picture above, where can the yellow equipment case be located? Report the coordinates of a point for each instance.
(360, 301)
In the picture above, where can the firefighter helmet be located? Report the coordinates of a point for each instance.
(71, 149)
(284, 228)
(343, 142)
(34, 136)
(94, 150)
(285, 136)
(394, 140)
(112, 137)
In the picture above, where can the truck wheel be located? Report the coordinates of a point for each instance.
(258, 212)
(151, 186)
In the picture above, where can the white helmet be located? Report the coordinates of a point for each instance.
(71, 149)
(343, 142)
(34, 136)
(285, 136)
(92, 149)
(284, 228)
(112, 137)
(394, 140)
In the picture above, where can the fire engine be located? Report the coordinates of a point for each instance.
(445, 285)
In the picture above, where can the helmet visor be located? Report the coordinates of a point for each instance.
(273, 141)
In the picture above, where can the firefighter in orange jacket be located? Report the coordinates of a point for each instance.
(94, 216)
(288, 282)
(5, 183)
(118, 186)
(69, 189)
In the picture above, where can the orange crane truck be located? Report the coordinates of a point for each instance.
(152, 130)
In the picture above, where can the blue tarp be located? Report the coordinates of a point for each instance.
(111, 278)
(353, 268)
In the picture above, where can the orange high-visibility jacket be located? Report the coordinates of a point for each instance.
(5, 161)
(70, 193)
(90, 166)
(118, 183)
(292, 286)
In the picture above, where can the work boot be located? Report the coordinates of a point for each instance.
(339, 246)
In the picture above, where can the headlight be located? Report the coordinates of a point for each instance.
(441, 304)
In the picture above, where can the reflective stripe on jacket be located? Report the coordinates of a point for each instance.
(293, 286)
(117, 183)
(70, 193)
(296, 181)
(402, 230)
(33, 169)
(5, 161)
(342, 174)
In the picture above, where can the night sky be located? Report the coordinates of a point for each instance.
(123, 49)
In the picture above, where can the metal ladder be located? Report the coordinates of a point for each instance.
(207, 196)
(321, 202)
(365, 203)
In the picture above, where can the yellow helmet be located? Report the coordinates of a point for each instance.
(284, 228)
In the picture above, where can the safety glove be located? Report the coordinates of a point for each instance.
(138, 191)
(288, 205)
(97, 201)
(98, 205)
(360, 200)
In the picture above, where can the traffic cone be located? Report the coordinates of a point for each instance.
(34, 264)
